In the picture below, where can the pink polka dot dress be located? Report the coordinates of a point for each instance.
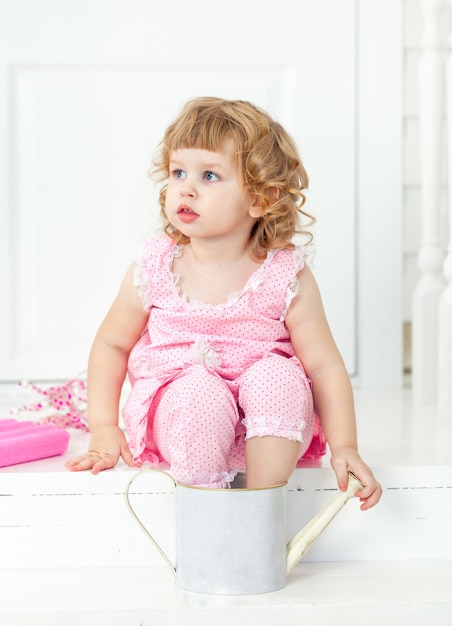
(207, 377)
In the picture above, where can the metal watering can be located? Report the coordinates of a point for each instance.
(233, 541)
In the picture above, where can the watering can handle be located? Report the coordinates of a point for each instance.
(138, 520)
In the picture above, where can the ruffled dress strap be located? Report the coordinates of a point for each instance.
(152, 255)
(299, 259)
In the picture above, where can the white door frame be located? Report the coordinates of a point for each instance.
(380, 194)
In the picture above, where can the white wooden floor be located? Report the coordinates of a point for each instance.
(70, 555)
(365, 594)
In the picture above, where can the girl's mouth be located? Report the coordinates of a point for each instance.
(186, 214)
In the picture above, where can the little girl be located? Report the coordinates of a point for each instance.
(220, 324)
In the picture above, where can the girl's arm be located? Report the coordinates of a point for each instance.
(107, 368)
(333, 395)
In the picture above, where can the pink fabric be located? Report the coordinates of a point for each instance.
(228, 351)
(204, 440)
(21, 442)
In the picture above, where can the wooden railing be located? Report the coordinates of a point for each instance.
(445, 303)
(432, 298)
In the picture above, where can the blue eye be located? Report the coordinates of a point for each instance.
(179, 174)
(211, 176)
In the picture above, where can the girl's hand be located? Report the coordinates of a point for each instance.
(107, 444)
(344, 460)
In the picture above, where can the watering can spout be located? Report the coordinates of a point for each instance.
(303, 540)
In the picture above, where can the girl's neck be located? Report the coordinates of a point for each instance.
(219, 255)
(210, 274)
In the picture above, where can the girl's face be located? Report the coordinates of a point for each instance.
(206, 196)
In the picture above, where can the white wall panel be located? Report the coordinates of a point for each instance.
(87, 89)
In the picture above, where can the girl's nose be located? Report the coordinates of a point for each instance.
(188, 191)
(188, 188)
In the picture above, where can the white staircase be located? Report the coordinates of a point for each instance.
(71, 553)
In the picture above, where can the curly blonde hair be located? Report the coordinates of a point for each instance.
(267, 155)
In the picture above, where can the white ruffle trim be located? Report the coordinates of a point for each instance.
(222, 480)
(294, 286)
(268, 426)
(202, 352)
(253, 283)
(140, 280)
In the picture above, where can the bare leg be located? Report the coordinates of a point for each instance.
(276, 400)
(270, 461)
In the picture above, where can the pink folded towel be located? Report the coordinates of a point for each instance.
(21, 442)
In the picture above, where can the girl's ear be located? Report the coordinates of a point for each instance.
(256, 208)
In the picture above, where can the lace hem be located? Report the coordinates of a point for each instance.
(253, 283)
(221, 480)
(271, 427)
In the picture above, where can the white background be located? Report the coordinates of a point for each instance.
(87, 89)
